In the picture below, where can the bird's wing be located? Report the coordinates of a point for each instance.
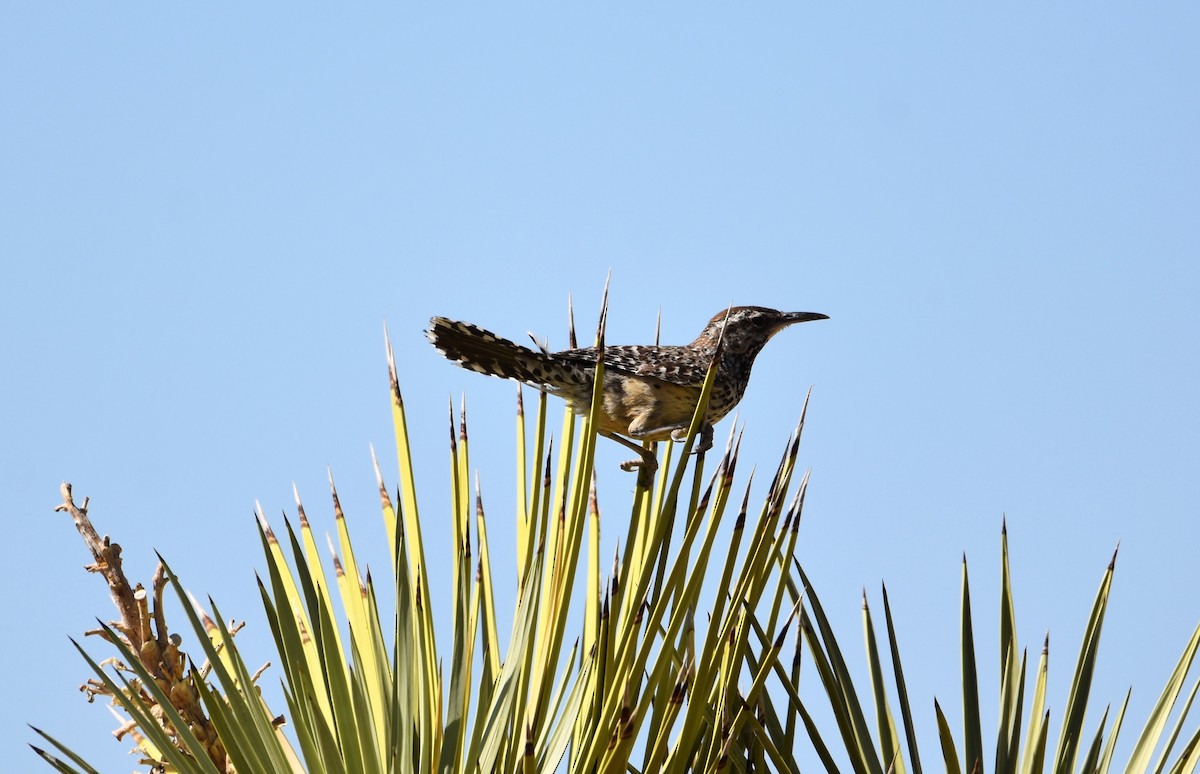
(677, 365)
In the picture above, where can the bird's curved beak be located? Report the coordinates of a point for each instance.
(799, 317)
(791, 318)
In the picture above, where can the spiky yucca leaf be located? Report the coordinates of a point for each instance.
(1073, 753)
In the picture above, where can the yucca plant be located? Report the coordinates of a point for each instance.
(651, 683)
(366, 692)
(1022, 738)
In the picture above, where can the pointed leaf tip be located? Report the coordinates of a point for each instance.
(378, 472)
(781, 640)
(572, 341)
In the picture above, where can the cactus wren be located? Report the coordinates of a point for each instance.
(650, 392)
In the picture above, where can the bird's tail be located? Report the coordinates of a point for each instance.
(481, 350)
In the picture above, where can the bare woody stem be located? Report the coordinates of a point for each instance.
(108, 563)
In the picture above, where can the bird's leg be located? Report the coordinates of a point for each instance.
(679, 433)
(646, 466)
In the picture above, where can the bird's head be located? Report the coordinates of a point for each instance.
(748, 328)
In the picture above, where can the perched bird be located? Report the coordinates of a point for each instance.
(650, 391)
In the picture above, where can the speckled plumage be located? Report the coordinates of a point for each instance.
(650, 392)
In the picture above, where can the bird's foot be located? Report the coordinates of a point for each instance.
(646, 466)
(705, 441)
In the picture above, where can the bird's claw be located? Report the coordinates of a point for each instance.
(646, 468)
(705, 441)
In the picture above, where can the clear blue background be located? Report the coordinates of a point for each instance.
(207, 216)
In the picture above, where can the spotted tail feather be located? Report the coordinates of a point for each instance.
(484, 352)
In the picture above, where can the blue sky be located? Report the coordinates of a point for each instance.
(207, 216)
